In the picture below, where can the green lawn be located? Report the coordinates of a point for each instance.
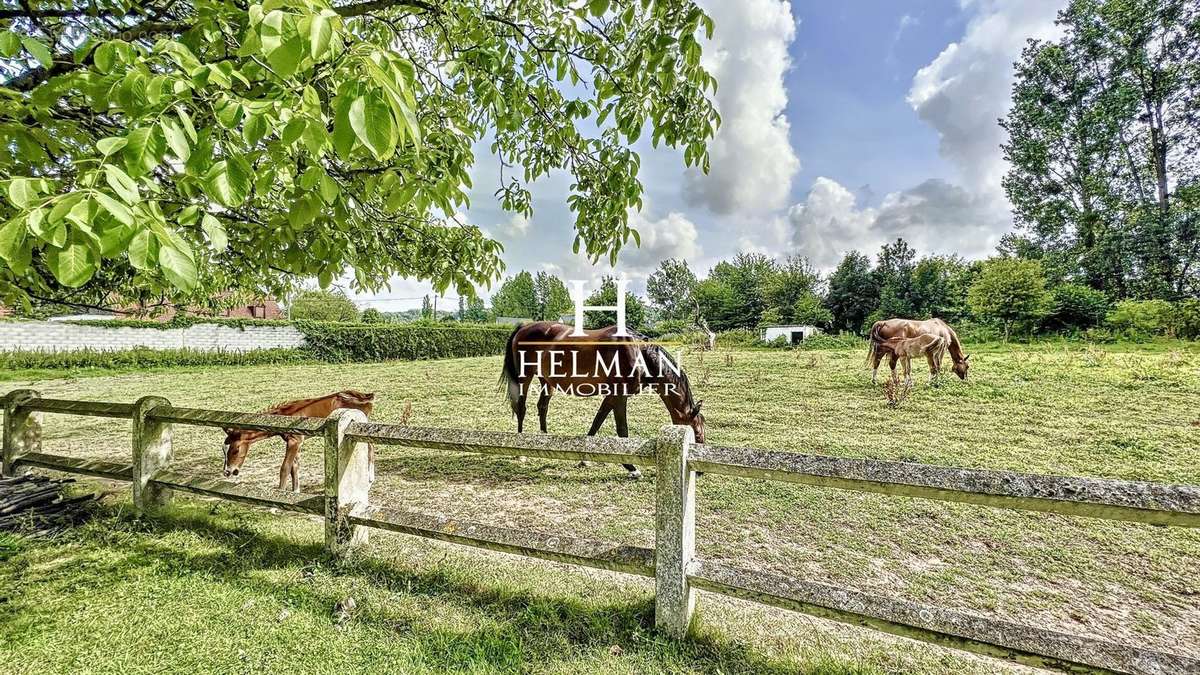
(210, 587)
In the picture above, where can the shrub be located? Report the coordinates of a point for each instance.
(1076, 307)
(179, 321)
(826, 341)
(975, 332)
(340, 342)
(738, 337)
(1187, 319)
(1140, 319)
(322, 306)
(149, 358)
(1010, 292)
(809, 311)
(372, 315)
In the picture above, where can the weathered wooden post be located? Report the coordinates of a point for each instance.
(675, 531)
(347, 481)
(22, 429)
(151, 454)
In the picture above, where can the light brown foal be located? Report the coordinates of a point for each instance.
(238, 441)
(932, 347)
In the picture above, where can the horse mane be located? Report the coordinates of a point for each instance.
(655, 352)
(954, 347)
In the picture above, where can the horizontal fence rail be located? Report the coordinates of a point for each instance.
(1152, 503)
(543, 446)
(984, 635)
(276, 424)
(86, 408)
(576, 550)
(348, 514)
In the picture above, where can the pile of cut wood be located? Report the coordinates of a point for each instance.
(33, 504)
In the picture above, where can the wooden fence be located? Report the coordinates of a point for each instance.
(348, 513)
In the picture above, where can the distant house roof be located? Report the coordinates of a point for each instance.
(512, 320)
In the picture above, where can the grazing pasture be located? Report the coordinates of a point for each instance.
(1119, 412)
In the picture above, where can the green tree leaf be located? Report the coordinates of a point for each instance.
(140, 152)
(108, 146)
(373, 124)
(178, 267)
(176, 137)
(21, 192)
(320, 32)
(122, 184)
(228, 183)
(12, 238)
(39, 50)
(215, 231)
(116, 208)
(73, 264)
(143, 250)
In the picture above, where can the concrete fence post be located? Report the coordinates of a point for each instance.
(151, 453)
(22, 429)
(347, 481)
(675, 531)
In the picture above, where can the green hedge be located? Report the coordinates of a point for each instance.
(340, 342)
(179, 321)
(148, 358)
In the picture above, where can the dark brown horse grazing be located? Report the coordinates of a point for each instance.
(598, 363)
(882, 331)
(238, 441)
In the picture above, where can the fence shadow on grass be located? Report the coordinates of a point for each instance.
(522, 630)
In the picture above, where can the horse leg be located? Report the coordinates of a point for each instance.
(908, 371)
(877, 358)
(621, 413)
(519, 410)
(935, 368)
(291, 457)
(543, 406)
(606, 407)
(892, 365)
(518, 407)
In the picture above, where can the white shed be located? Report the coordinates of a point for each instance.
(794, 334)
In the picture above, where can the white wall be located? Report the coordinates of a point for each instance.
(46, 336)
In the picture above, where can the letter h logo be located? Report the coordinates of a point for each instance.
(580, 308)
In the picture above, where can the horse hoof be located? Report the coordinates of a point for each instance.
(635, 474)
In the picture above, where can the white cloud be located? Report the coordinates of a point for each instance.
(516, 227)
(968, 86)
(828, 223)
(934, 216)
(752, 161)
(671, 237)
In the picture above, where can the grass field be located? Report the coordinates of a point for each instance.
(225, 588)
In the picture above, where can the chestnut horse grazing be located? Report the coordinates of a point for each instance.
(881, 331)
(929, 345)
(598, 363)
(238, 441)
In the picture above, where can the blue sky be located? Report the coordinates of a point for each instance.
(846, 124)
(852, 66)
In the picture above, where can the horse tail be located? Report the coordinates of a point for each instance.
(509, 378)
(874, 339)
